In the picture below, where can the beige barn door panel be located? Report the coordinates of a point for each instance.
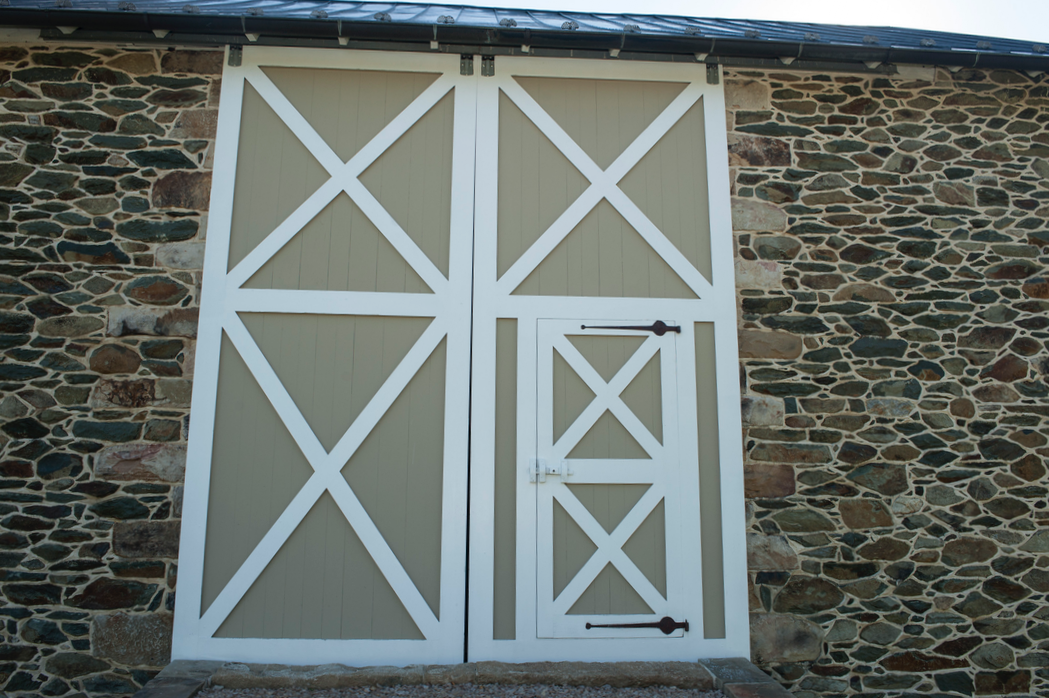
(325, 509)
(602, 199)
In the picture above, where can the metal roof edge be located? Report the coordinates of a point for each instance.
(194, 28)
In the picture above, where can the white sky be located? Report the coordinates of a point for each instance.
(1011, 19)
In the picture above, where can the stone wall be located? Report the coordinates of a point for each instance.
(891, 244)
(104, 183)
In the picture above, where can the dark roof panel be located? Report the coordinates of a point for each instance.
(505, 27)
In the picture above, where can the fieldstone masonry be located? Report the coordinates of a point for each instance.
(891, 258)
(104, 183)
(891, 241)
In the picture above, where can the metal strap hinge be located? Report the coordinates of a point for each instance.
(466, 64)
(487, 66)
(236, 56)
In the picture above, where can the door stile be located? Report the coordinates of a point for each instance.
(482, 385)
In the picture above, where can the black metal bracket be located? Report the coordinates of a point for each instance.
(666, 625)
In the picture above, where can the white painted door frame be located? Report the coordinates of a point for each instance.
(473, 251)
(224, 297)
(669, 483)
(493, 301)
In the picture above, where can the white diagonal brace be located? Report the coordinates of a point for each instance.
(606, 396)
(274, 389)
(609, 548)
(383, 556)
(604, 184)
(343, 178)
(326, 477)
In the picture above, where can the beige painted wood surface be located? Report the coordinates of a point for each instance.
(670, 186)
(504, 592)
(348, 108)
(709, 483)
(339, 250)
(323, 583)
(256, 469)
(275, 175)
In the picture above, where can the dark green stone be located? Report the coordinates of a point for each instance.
(158, 231)
(168, 159)
(119, 432)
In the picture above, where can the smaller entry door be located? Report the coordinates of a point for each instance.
(609, 501)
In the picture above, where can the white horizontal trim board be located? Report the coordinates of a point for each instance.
(464, 307)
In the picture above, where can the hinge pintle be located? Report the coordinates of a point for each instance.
(466, 64)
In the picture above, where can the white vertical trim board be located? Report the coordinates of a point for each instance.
(223, 299)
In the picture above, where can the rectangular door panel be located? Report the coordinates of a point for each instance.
(325, 507)
(602, 197)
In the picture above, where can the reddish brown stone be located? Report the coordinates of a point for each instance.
(920, 662)
(1026, 346)
(777, 638)
(133, 640)
(105, 593)
(180, 189)
(966, 551)
(805, 595)
(864, 513)
(155, 290)
(1002, 682)
(963, 408)
(987, 338)
(901, 453)
(770, 553)
(1030, 468)
(196, 62)
(1037, 288)
(1007, 369)
(114, 358)
(756, 344)
(196, 123)
(791, 453)
(1028, 437)
(148, 539)
(822, 281)
(758, 151)
(959, 646)
(884, 549)
(996, 393)
(134, 63)
(765, 480)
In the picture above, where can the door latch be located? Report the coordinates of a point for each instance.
(666, 625)
(538, 469)
(658, 328)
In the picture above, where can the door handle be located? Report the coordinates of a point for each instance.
(658, 328)
(666, 624)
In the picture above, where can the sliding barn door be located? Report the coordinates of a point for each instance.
(606, 501)
(325, 506)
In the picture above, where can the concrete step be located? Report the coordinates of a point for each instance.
(737, 678)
